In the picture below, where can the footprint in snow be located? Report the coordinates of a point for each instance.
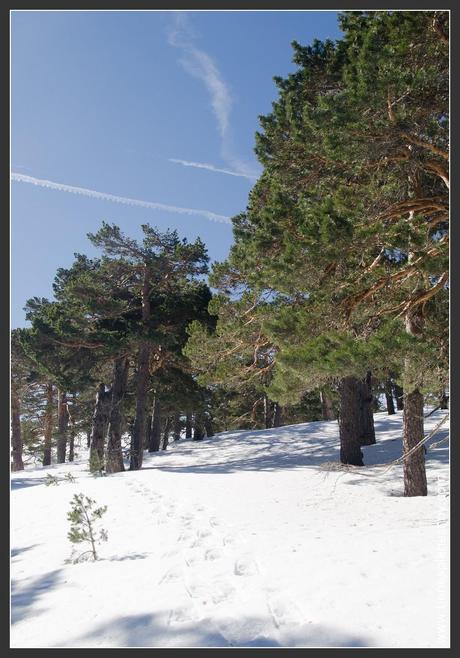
(245, 566)
(283, 612)
(182, 615)
(223, 592)
(212, 554)
(170, 576)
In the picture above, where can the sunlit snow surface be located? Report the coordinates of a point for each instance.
(244, 539)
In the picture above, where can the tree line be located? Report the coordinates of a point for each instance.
(334, 296)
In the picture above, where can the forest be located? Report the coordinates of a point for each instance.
(333, 303)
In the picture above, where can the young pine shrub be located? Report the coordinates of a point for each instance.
(83, 519)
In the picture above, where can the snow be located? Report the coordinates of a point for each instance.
(246, 539)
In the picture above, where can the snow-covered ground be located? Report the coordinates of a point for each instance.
(244, 539)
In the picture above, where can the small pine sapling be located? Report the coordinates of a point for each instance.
(83, 519)
(51, 479)
(69, 477)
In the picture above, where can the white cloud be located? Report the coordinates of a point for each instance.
(200, 65)
(61, 187)
(210, 167)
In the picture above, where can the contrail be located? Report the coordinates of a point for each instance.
(22, 178)
(210, 167)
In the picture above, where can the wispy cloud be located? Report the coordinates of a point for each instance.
(210, 167)
(201, 65)
(127, 201)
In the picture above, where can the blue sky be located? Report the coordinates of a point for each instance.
(143, 106)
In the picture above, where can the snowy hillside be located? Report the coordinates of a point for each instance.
(245, 539)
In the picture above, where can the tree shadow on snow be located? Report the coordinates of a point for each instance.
(24, 598)
(156, 630)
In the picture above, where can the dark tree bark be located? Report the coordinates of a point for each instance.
(188, 425)
(138, 436)
(88, 437)
(208, 425)
(99, 428)
(48, 429)
(63, 420)
(327, 407)
(350, 424)
(267, 419)
(177, 427)
(399, 396)
(367, 434)
(198, 429)
(444, 401)
(166, 433)
(389, 398)
(72, 432)
(155, 426)
(16, 438)
(414, 465)
(277, 415)
(114, 456)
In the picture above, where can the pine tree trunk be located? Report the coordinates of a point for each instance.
(155, 426)
(198, 430)
(99, 428)
(63, 419)
(16, 438)
(114, 456)
(177, 426)
(138, 438)
(72, 431)
(208, 426)
(88, 437)
(367, 435)
(399, 395)
(389, 398)
(166, 433)
(327, 407)
(48, 429)
(139, 429)
(444, 401)
(188, 425)
(267, 419)
(350, 424)
(277, 415)
(414, 465)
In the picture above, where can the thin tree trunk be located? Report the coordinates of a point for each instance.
(277, 415)
(48, 425)
(444, 401)
(166, 433)
(399, 395)
(414, 465)
(16, 437)
(350, 421)
(367, 435)
(155, 426)
(267, 419)
(63, 419)
(208, 426)
(99, 429)
(114, 456)
(177, 426)
(327, 406)
(198, 433)
(88, 437)
(72, 430)
(138, 438)
(188, 425)
(389, 398)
